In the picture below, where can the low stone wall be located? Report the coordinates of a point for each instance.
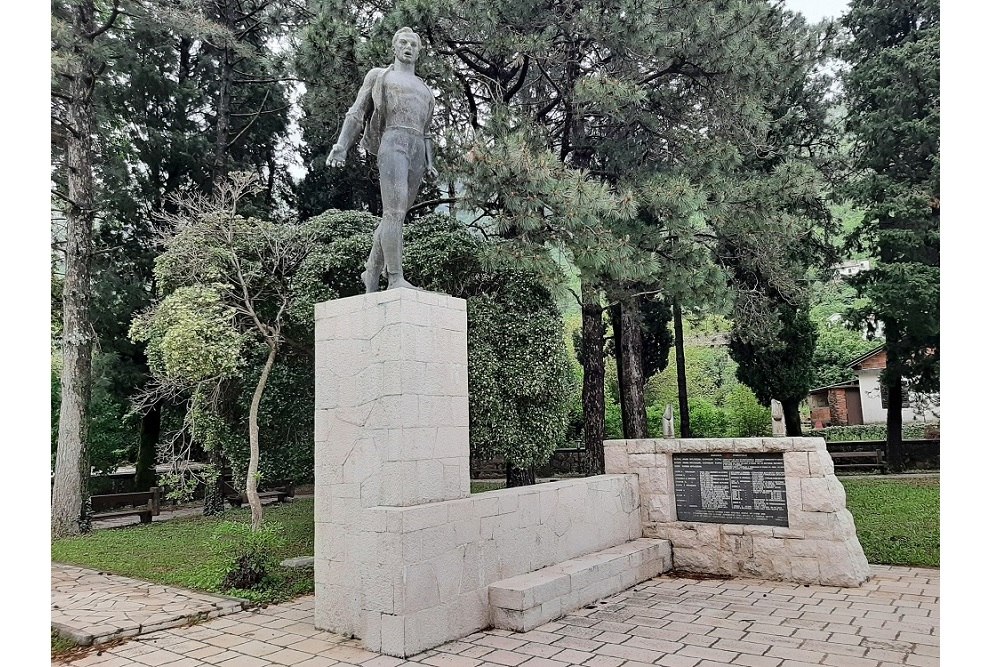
(423, 572)
(819, 546)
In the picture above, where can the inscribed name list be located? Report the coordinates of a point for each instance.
(731, 488)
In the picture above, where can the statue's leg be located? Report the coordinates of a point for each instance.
(394, 172)
(374, 265)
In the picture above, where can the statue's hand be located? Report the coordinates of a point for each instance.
(432, 174)
(337, 156)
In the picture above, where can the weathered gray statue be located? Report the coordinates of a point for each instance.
(394, 107)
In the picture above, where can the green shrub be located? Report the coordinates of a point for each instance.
(654, 420)
(251, 556)
(707, 421)
(613, 421)
(915, 431)
(746, 417)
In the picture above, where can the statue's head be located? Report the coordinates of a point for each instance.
(406, 45)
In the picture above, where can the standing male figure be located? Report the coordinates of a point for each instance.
(394, 107)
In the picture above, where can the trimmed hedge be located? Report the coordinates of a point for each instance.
(916, 431)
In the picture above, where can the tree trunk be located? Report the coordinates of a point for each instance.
(72, 473)
(519, 476)
(682, 387)
(793, 422)
(256, 509)
(893, 381)
(223, 121)
(215, 497)
(615, 310)
(149, 436)
(593, 380)
(630, 378)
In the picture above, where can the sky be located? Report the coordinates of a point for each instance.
(815, 10)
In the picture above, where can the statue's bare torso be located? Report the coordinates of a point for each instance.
(407, 101)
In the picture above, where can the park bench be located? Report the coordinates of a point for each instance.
(867, 460)
(145, 504)
(279, 490)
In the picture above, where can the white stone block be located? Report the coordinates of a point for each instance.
(820, 464)
(796, 464)
(822, 495)
(615, 458)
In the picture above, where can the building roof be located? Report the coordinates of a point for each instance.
(840, 385)
(864, 357)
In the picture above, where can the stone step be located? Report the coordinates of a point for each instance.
(527, 601)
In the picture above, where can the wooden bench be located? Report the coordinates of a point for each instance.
(279, 490)
(866, 460)
(145, 504)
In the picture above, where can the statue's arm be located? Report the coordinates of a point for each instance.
(354, 121)
(429, 142)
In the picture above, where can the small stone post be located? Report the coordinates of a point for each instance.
(777, 419)
(668, 421)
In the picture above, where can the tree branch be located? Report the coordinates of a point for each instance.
(432, 203)
(107, 24)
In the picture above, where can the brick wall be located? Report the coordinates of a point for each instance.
(838, 407)
(876, 362)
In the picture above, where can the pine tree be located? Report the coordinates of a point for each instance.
(893, 102)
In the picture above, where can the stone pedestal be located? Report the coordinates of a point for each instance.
(392, 430)
(819, 546)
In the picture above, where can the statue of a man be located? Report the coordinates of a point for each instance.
(394, 107)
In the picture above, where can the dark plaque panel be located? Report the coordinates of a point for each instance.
(731, 488)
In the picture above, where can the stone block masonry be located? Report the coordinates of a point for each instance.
(819, 546)
(404, 556)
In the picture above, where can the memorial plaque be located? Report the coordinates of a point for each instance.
(731, 488)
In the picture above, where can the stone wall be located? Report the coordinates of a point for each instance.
(819, 546)
(403, 555)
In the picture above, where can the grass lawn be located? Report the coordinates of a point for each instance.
(898, 520)
(183, 551)
(479, 487)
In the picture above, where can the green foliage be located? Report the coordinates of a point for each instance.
(519, 378)
(745, 417)
(836, 346)
(875, 432)
(654, 420)
(191, 336)
(613, 421)
(707, 420)
(711, 375)
(898, 520)
(892, 91)
(250, 556)
(185, 552)
(778, 367)
(111, 436)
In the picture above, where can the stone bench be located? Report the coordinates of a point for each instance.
(527, 601)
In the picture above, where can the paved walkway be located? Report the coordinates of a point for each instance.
(665, 622)
(94, 607)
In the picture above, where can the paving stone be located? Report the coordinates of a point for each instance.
(769, 641)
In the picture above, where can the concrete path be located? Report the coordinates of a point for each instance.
(93, 607)
(665, 622)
